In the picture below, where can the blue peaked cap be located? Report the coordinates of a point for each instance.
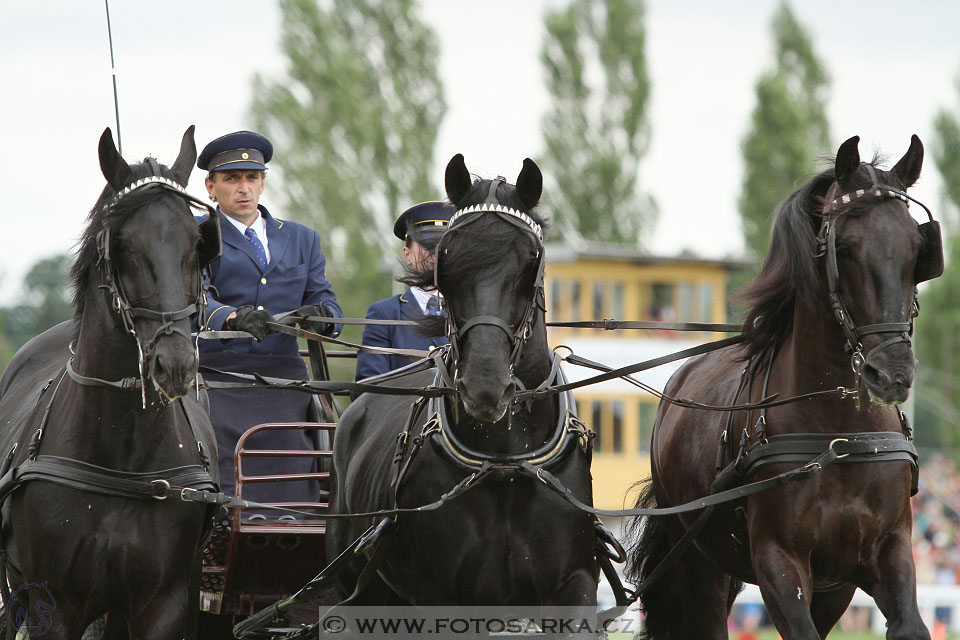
(426, 219)
(238, 150)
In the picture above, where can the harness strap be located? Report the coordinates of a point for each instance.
(88, 381)
(811, 468)
(623, 372)
(320, 386)
(76, 474)
(614, 325)
(490, 320)
(883, 327)
(882, 446)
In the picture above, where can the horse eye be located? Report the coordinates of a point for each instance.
(843, 251)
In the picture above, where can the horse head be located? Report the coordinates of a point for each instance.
(489, 268)
(875, 254)
(140, 265)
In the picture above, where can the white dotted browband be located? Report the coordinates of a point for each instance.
(848, 197)
(143, 182)
(499, 208)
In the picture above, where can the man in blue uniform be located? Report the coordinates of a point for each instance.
(268, 266)
(420, 228)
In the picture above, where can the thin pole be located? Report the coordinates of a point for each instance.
(113, 70)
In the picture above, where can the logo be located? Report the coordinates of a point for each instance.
(31, 608)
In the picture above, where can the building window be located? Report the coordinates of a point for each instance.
(617, 444)
(706, 302)
(598, 301)
(574, 300)
(597, 414)
(617, 301)
(647, 415)
(556, 300)
(661, 303)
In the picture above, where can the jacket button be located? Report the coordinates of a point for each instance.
(263, 281)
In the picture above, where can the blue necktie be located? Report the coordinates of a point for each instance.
(433, 306)
(257, 247)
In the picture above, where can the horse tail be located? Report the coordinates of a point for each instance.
(649, 544)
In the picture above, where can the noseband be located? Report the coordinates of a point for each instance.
(118, 299)
(516, 336)
(826, 243)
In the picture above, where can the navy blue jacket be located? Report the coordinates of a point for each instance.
(295, 277)
(400, 307)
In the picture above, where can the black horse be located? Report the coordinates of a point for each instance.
(508, 540)
(837, 290)
(99, 418)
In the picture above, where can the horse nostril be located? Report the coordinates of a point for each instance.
(875, 377)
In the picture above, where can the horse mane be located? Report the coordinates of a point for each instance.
(789, 273)
(476, 246)
(103, 217)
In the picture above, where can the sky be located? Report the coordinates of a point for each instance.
(893, 65)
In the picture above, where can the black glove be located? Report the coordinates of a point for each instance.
(252, 320)
(323, 328)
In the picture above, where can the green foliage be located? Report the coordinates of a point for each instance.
(938, 326)
(596, 131)
(354, 121)
(45, 301)
(789, 129)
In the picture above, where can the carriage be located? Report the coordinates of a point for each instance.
(508, 442)
(253, 557)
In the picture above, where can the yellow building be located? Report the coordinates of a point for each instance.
(599, 281)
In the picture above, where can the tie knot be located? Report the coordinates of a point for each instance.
(250, 233)
(433, 306)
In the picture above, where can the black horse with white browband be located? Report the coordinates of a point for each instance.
(100, 428)
(507, 540)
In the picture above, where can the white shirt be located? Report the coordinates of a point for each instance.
(423, 297)
(259, 227)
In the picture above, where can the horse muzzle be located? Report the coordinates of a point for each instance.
(172, 366)
(487, 402)
(889, 373)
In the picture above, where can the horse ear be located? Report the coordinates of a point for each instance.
(457, 179)
(115, 169)
(907, 169)
(529, 184)
(848, 159)
(188, 155)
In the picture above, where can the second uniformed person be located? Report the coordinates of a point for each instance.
(420, 228)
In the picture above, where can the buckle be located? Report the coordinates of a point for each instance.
(163, 485)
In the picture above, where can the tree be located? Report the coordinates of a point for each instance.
(596, 131)
(789, 129)
(354, 120)
(937, 403)
(45, 302)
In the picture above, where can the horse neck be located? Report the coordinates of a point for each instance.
(109, 426)
(814, 358)
(103, 349)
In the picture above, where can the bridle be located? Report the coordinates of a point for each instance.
(517, 336)
(927, 267)
(119, 302)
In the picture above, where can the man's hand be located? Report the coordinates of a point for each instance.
(323, 328)
(252, 320)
